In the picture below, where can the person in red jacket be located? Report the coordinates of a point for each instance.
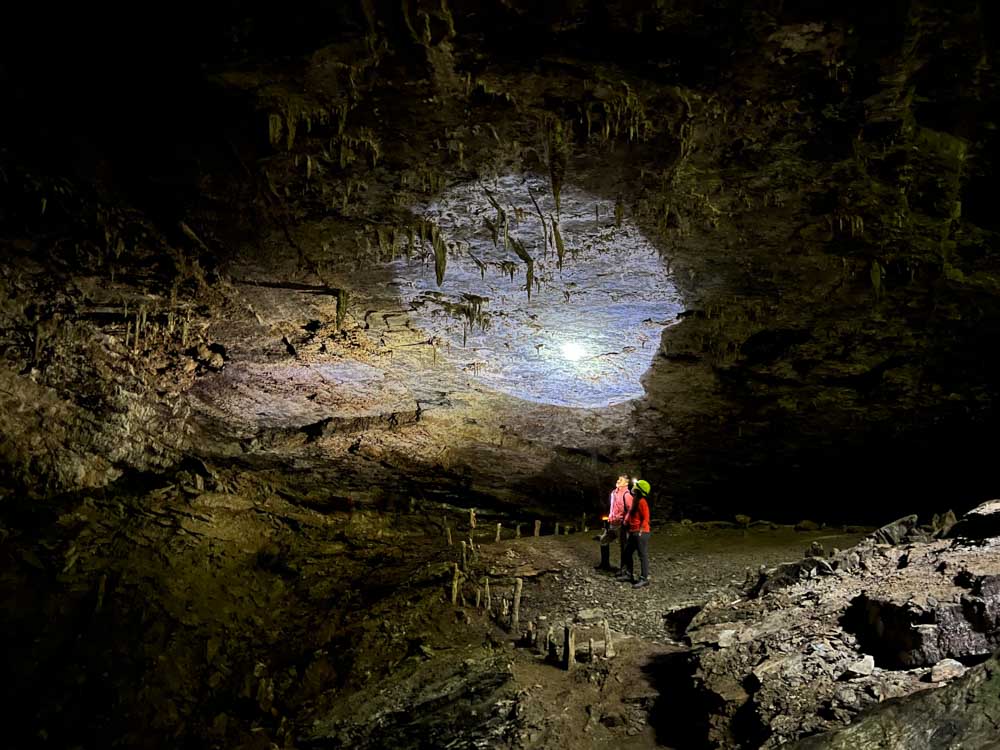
(637, 523)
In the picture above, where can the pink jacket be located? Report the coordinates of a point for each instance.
(621, 501)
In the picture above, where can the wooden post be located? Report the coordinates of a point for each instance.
(498, 532)
(472, 518)
(516, 614)
(517, 531)
(454, 584)
(465, 559)
(529, 636)
(447, 531)
(583, 522)
(472, 549)
(566, 530)
(557, 528)
(487, 597)
(550, 644)
(590, 649)
(609, 648)
(538, 528)
(479, 596)
(569, 647)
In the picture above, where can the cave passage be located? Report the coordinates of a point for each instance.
(600, 293)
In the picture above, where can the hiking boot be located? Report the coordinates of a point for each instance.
(641, 583)
(624, 578)
(603, 567)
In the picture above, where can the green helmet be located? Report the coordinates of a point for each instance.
(642, 486)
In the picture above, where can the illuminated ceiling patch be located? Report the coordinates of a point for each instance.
(600, 294)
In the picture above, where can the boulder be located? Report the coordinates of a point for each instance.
(982, 522)
(895, 532)
(904, 636)
(861, 668)
(787, 574)
(943, 524)
(946, 670)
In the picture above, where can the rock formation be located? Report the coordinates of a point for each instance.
(809, 652)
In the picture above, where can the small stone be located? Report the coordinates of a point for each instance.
(863, 667)
(726, 638)
(947, 669)
(587, 616)
(847, 696)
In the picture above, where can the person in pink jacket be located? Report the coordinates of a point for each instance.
(620, 505)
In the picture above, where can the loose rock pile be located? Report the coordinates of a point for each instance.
(815, 642)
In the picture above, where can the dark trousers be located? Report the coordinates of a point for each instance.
(622, 546)
(606, 551)
(637, 542)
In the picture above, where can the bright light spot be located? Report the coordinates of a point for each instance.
(573, 351)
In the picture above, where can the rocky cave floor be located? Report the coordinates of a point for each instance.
(602, 700)
(728, 647)
(241, 610)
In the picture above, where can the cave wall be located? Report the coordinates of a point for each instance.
(815, 175)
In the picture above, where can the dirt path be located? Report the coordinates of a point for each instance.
(688, 562)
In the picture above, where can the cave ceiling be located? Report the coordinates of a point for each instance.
(503, 250)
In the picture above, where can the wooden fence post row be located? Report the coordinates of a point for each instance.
(565, 528)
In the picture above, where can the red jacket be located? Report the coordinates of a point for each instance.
(638, 519)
